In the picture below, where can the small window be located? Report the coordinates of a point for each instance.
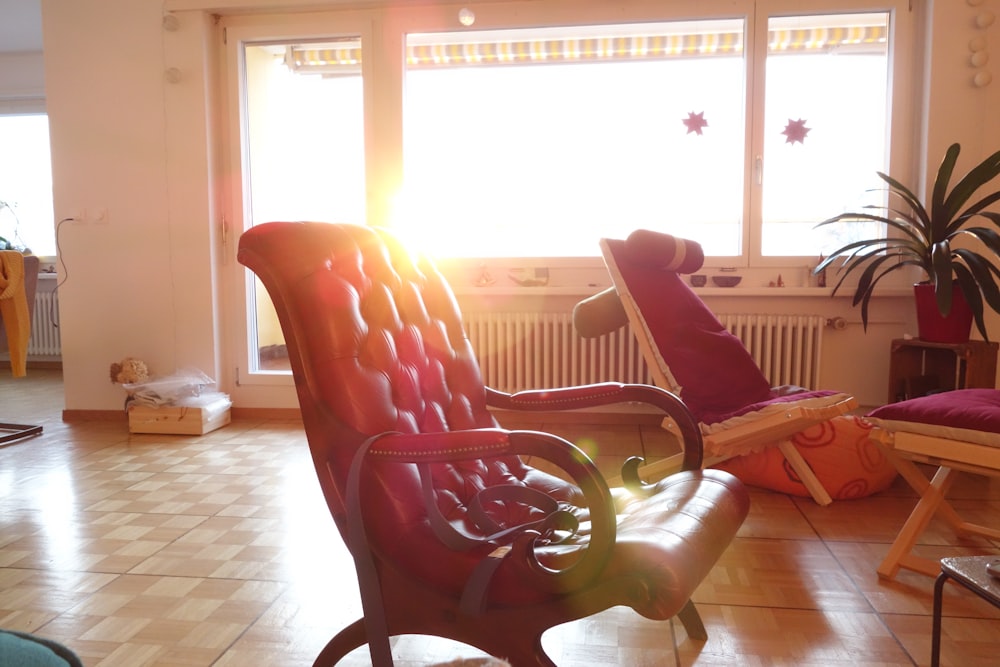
(825, 128)
(304, 152)
(305, 131)
(26, 218)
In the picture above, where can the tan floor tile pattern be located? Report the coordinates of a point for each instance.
(217, 550)
(966, 642)
(781, 574)
(776, 516)
(909, 592)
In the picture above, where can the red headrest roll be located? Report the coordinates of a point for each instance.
(663, 251)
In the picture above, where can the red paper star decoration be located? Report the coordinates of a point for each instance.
(796, 130)
(695, 122)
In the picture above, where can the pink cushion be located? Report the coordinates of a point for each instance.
(715, 371)
(972, 409)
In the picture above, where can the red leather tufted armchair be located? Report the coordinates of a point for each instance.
(452, 533)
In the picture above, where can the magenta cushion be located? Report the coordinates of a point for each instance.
(973, 409)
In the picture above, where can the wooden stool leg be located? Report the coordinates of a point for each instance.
(919, 483)
(930, 499)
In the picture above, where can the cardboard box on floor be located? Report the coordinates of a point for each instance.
(179, 419)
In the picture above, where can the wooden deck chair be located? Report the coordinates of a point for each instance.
(689, 352)
(952, 431)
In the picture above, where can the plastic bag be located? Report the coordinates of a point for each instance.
(168, 390)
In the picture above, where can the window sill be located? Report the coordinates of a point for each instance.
(795, 292)
(584, 291)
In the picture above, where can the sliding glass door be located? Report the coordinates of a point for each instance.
(297, 141)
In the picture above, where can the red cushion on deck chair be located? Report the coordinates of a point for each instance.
(715, 372)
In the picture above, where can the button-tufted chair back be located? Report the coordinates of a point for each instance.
(378, 334)
(376, 345)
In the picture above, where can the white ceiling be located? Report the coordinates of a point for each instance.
(20, 25)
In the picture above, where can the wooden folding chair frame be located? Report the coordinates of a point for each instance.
(773, 429)
(906, 450)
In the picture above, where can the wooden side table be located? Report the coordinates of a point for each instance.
(971, 573)
(917, 367)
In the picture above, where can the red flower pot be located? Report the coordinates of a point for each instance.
(935, 328)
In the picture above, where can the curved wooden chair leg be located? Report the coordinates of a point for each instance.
(692, 622)
(526, 654)
(345, 641)
(542, 658)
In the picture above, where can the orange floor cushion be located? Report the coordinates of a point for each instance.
(847, 463)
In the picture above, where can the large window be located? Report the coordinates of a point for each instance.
(739, 132)
(531, 130)
(26, 183)
(544, 140)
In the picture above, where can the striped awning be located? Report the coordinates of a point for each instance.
(344, 57)
(572, 50)
(828, 39)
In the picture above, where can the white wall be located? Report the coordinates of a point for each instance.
(956, 109)
(125, 140)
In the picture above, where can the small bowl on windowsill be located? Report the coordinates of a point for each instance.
(726, 281)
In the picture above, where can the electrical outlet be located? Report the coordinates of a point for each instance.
(91, 216)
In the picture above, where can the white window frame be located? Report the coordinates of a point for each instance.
(254, 387)
(383, 57)
(901, 101)
(383, 49)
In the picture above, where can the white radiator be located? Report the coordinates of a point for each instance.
(787, 348)
(520, 351)
(45, 340)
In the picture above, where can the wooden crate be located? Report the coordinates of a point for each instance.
(180, 420)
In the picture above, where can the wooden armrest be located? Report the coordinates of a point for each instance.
(611, 393)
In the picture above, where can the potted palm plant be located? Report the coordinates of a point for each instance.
(958, 258)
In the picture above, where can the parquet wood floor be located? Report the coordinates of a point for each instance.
(217, 550)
